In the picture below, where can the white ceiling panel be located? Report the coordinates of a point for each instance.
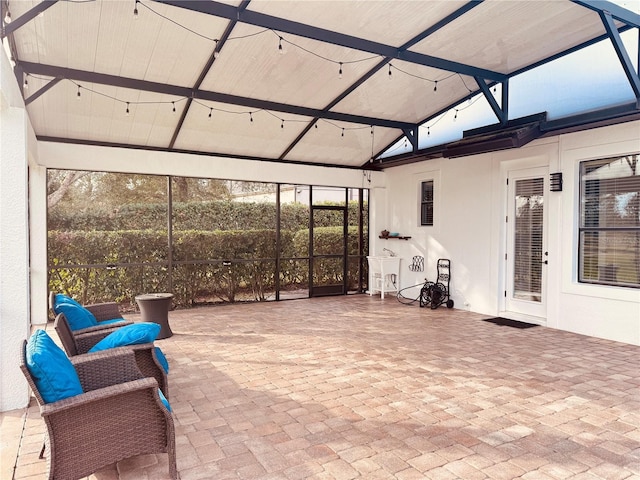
(383, 21)
(408, 94)
(155, 61)
(230, 130)
(307, 73)
(505, 36)
(329, 144)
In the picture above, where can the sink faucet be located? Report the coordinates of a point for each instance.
(391, 254)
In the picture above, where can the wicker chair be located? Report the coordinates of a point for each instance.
(102, 311)
(119, 416)
(80, 343)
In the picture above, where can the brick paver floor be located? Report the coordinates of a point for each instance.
(359, 387)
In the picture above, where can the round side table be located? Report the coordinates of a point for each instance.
(154, 307)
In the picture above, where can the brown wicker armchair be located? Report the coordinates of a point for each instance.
(80, 343)
(102, 312)
(119, 416)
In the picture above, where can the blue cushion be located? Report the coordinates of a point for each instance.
(143, 332)
(61, 298)
(51, 369)
(78, 317)
(164, 400)
(162, 359)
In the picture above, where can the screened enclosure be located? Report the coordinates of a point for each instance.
(113, 236)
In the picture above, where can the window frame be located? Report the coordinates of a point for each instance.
(583, 227)
(422, 202)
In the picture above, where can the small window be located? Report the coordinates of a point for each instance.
(609, 229)
(426, 203)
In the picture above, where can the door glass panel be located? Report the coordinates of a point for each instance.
(328, 250)
(528, 239)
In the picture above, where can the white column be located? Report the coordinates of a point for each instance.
(14, 239)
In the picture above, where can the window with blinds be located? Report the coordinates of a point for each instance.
(528, 239)
(609, 229)
(426, 203)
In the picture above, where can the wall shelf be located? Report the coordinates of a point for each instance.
(399, 237)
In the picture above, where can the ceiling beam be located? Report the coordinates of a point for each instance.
(376, 68)
(185, 92)
(26, 17)
(43, 90)
(212, 58)
(328, 36)
(623, 56)
(500, 112)
(617, 12)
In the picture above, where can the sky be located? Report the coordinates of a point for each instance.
(582, 81)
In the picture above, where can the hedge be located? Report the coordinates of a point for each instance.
(223, 265)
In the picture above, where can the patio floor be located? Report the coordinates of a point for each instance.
(359, 387)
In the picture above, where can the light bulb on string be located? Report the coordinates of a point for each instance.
(127, 111)
(280, 47)
(210, 112)
(455, 117)
(428, 131)
(26, 82)
(135, 10)
(7, 16)
(389, 71)
(281, 123)
(435, 86)
(342, 132)
(216, 52)
(371, 129)
(78, 94)
(251, 118)
(340, 71)
(174, 106)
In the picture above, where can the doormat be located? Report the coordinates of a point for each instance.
(510, 323)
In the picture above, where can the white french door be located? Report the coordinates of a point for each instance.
(526, 256)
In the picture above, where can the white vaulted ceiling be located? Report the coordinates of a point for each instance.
(87, 62)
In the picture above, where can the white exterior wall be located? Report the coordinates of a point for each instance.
(469, 228)
(14, 239)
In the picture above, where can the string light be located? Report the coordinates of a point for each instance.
(340, 71)
(26, 82)
(371, 129)
(280, 48)
(251, 118)
(127, 111)
(78, 94)
(135, 10)
(435, 86)
(282, 124)
(343, 131)
(389, 71)
(210, 113)
(455, 117)
(7, 16)
(428, 131)
(174, 106)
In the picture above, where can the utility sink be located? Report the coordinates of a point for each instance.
(384, 274)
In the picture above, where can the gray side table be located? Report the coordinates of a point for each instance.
(154, 307)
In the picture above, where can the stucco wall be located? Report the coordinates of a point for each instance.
(14, 240)
(470, 229)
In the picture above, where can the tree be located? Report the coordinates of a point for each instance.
(59, 183)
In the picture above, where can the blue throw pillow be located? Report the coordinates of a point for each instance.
(77, 317)
(143, 332)
(162, 359)
(51, 369)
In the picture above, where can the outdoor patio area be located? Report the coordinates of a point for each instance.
(358, 387)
